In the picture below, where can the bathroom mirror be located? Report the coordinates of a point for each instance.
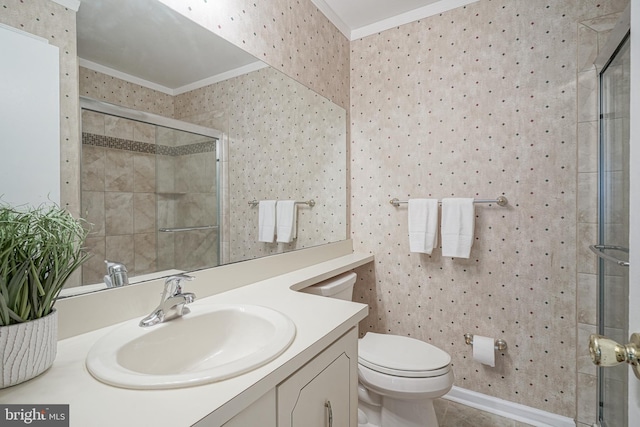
(278, 140)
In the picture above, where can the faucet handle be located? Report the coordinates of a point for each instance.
(114, 266)
(116, 274)
(172, 285)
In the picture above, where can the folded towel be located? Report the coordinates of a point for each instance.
(266, 220)
(286, 219)
(457, 227)
(423, 225)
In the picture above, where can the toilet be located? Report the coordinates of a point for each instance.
(398, 377)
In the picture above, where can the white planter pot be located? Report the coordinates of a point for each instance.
(27, 349)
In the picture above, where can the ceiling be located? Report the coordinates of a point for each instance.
(147, 43)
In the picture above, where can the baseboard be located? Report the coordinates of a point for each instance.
(504, 408)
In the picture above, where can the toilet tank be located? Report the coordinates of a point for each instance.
(340, 287)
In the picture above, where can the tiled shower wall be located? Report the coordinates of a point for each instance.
(118, 195)
(187, 191)
(476, 102)
(138, 178)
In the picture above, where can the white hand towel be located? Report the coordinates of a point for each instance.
(266, 220)
(458, 222)
(423, 225)
(286, 219)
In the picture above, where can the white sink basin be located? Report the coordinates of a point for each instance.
(212, 343)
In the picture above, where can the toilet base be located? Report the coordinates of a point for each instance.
(408, 413)
(398, 413)
(369, 415)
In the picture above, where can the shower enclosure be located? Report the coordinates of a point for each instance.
(149, 190)
(613, 225)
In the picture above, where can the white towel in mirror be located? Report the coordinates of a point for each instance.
(423, 225)
(266, 221)
(286, 213)
(458, 222)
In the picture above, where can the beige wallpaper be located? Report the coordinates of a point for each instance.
(102, 87)
(476, 102)
(57, 24)
(285, 142)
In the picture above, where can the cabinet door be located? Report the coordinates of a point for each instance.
(323, 393)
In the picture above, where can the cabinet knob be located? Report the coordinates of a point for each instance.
(329, 412)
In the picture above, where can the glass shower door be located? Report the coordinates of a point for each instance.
(188, 200)
(613, 229)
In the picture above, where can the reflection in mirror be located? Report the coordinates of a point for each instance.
(279, 141)
(147, 189)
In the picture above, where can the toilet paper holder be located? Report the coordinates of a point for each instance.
(500, 344)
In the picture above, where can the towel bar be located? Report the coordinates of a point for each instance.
(311, 203)
(177, 229)
(500, 201)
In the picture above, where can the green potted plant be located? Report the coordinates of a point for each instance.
(39, 249)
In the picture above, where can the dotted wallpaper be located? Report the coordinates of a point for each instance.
(292, 36)
(102, 87)
(285, 142)
(476, 102)
(57, 24)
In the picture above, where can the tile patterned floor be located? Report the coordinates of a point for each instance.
(451, 414)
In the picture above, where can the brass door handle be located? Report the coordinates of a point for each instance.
(606, 352)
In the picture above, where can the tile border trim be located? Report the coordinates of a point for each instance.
(145, 147)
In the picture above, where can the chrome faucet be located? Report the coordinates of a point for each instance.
(116, 274)
(172, 303)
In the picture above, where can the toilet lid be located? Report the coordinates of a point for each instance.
(402, 356)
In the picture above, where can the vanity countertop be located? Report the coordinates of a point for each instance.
(319, 321)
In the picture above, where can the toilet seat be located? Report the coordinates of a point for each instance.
(405, 388)
(402, 356)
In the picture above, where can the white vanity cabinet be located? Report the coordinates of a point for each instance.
(261, 413)
(323, 393)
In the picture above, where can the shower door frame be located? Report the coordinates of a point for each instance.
(91, 104)
(618, 37)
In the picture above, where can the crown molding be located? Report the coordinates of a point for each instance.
(123, 76)
(333, 17)
(69, 4)
(407, 17)
(254, 66)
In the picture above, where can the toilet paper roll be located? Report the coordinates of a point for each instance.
(484, 351)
